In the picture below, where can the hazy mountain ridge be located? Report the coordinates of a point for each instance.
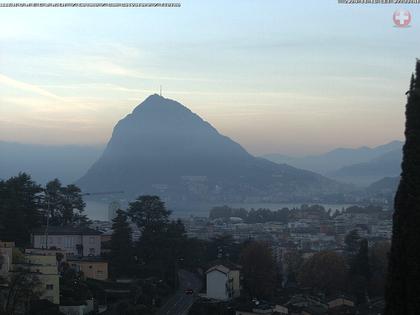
(386, 185)
(164, 148)
(200, 164)
(386, 165)
(46, 162)
(360, 166)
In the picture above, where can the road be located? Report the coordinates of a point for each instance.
(180, 303)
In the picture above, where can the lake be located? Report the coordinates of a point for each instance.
(97, 210)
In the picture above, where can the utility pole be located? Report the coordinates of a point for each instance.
(47, 196)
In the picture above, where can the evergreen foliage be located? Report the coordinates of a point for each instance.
(121, 261)
(19, 208)
(403, 287)
(64, 204)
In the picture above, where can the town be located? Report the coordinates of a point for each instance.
(210, 158)
(307, 260)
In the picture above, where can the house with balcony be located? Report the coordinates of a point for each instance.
(75, 241)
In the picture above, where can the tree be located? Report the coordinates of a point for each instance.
(161, 245)
(378, 257)
(121, 257)
(403, 286)
(19, 208)
(360, 263)
(259, 270)
(292, 263)
(325, 271)
(173, 242)
(352, 242)
(149, 213)
(360, 273)
(73, 289)
(23, 286)
(64, 203)
(223, 247)
(161, 251)
(195, 251)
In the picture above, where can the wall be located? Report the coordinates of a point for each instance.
(7, 260)
(91, 243)
(216, 285)
(93, 270)
(48, 292)
(234, 275)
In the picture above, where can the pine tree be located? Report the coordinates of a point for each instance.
(19, 208)
(149, 213)
(121, 256)
(403, 283)
(65, 204)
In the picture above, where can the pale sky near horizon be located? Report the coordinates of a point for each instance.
(292, 77)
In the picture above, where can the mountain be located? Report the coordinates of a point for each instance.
(386, 165)
(386, 185)
(46, 162)
(163, 148)
(381, 161)
(383, 190)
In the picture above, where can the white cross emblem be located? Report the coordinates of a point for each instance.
(402, 18)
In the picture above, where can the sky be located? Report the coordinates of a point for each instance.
(292, 77)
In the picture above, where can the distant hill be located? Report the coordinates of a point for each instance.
(164, 148)
(366, 164)
(386, 185)
(46, 162)
(383, 189)
(386, 165)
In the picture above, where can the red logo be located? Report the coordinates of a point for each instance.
(402, 18)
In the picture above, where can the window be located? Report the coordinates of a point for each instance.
(50, 287)
(92, 240)
(91, 251)
(90, 267)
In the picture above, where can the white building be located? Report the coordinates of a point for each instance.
(75, 241)
(222, 283)
(383, 229)
(6, 257)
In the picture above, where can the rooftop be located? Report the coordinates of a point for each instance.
(89, 259)
(65, 230)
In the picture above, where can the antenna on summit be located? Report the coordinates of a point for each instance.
(160, 90)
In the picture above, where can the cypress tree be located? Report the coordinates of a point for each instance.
(121, 259)
(403, 283)
(360, 272)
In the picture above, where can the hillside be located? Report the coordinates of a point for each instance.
(163, 148)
